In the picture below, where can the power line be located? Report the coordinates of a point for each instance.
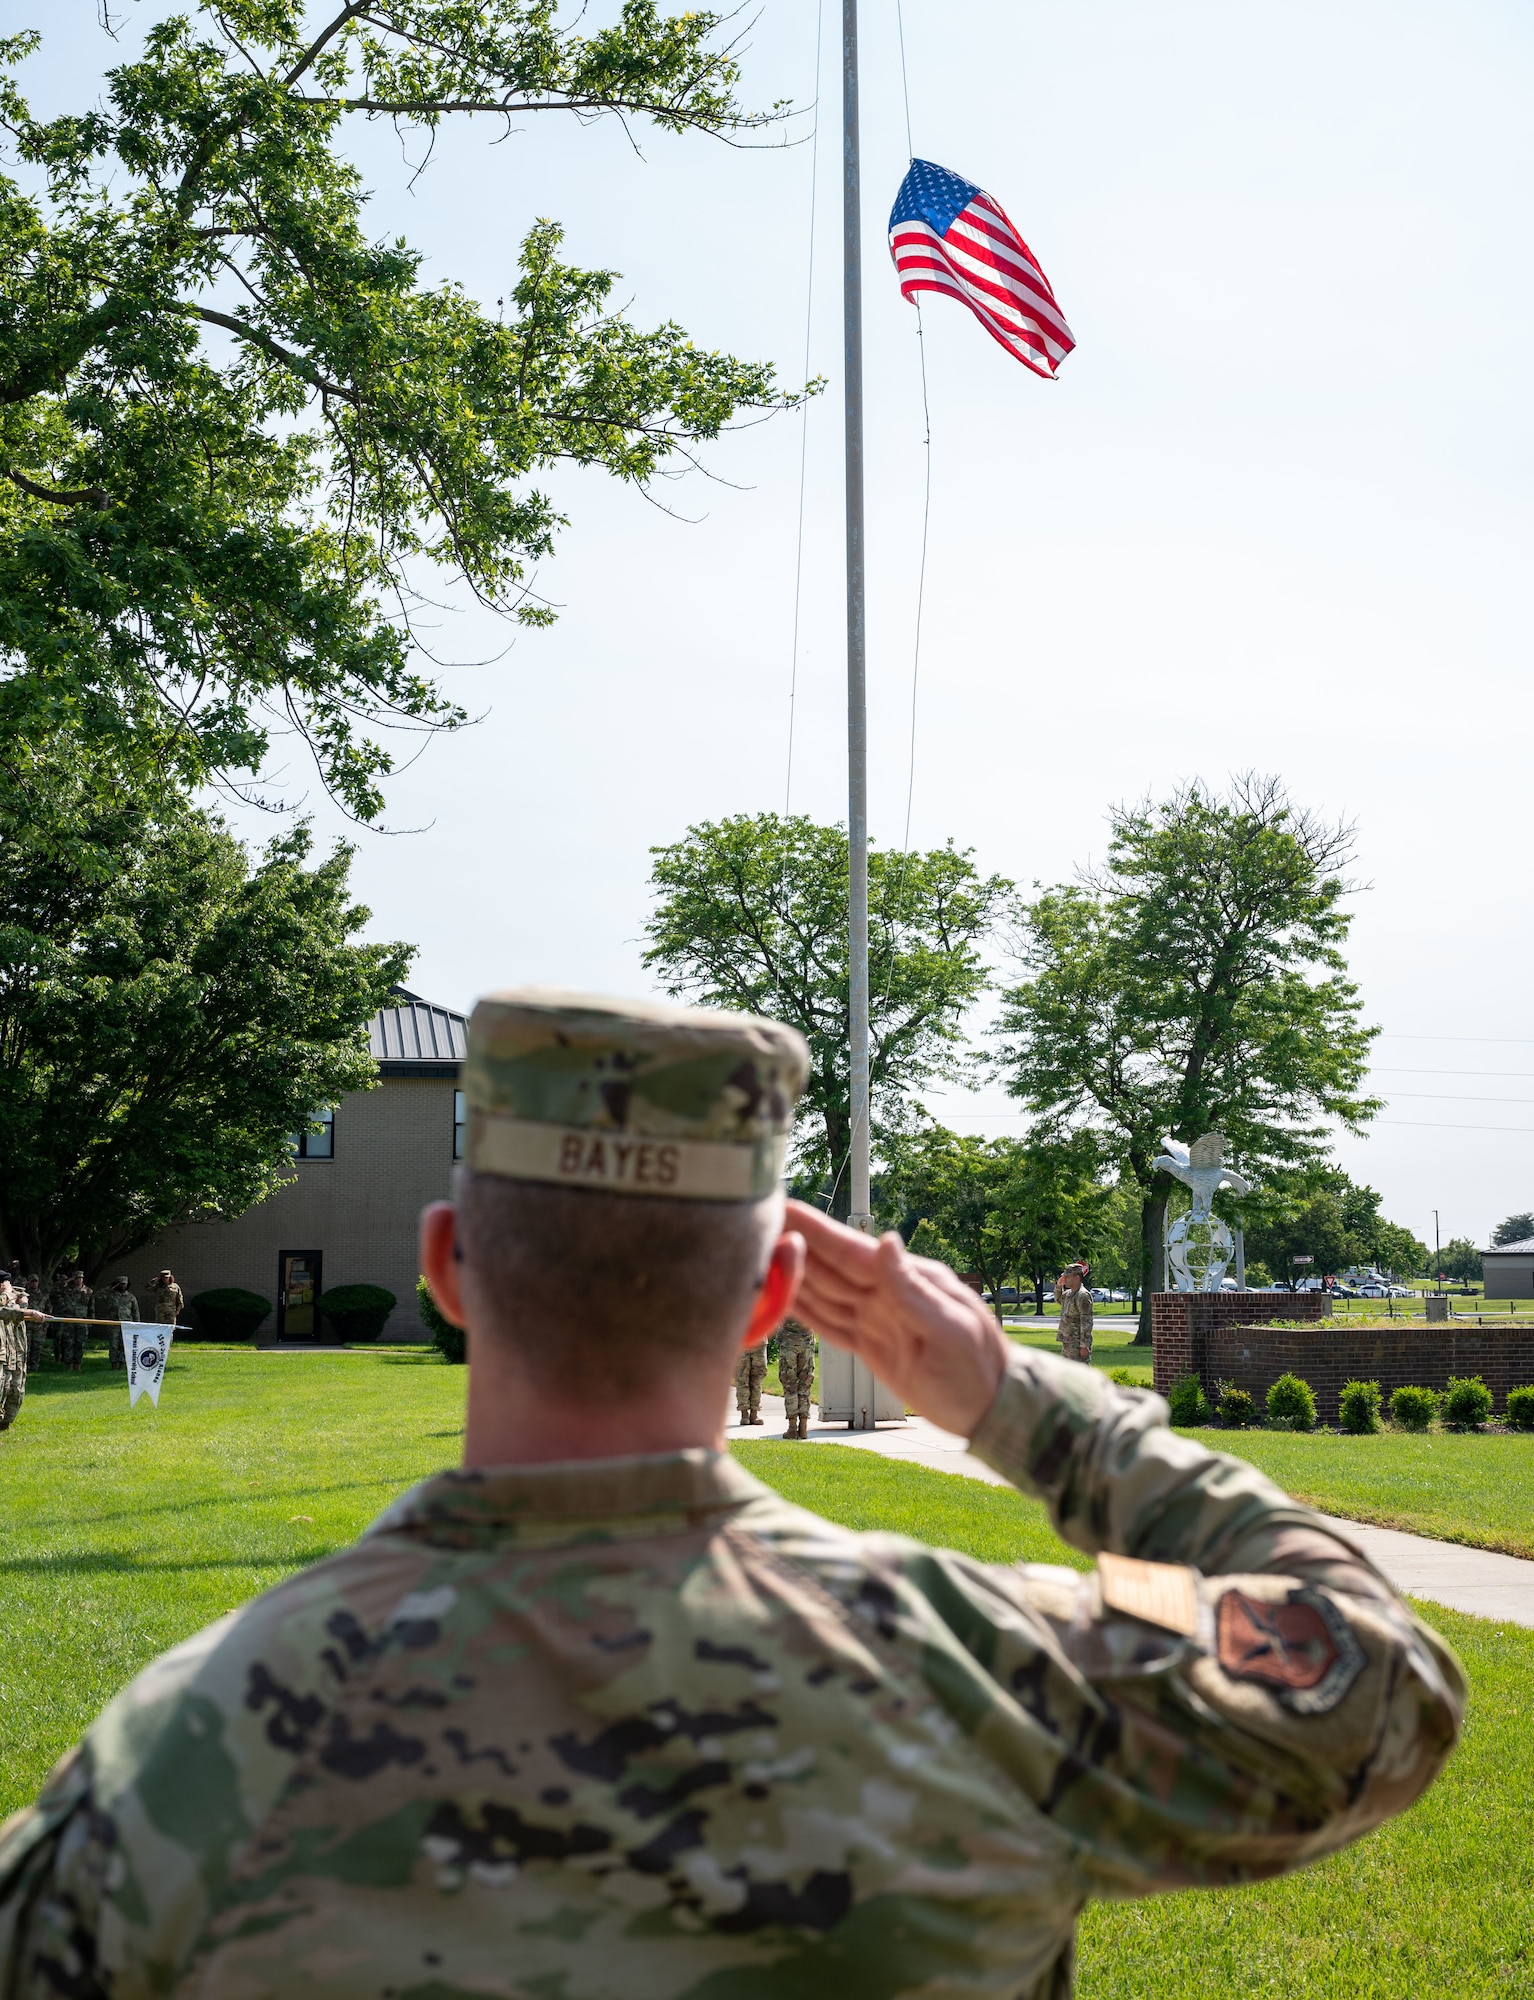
(804, 427)
(1399, 1069)
(1513, 1041)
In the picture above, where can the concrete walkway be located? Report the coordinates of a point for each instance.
(1475, 1580)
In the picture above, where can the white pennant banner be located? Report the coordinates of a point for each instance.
(147, 1347)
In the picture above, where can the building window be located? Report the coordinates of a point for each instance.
(320, 1145)
(460, 1117)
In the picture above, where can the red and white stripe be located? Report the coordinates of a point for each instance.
(987, 266)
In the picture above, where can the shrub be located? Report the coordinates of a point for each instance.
(446, 1338)
(1292, 1404)
(1466, 1402)
(1358, 1407)
(1237, 1408)
(1130, 1378)
(1520, 1409)
(357, 1312)
(1413, 1409)
(1187, 1402)
(228, 1313)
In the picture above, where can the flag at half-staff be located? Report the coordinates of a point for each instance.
(949, 236)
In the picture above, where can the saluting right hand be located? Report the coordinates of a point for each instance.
(918, 1326)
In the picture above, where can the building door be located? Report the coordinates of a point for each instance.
(298, 1289)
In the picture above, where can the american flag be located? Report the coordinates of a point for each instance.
(947, 235)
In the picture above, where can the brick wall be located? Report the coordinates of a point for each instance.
(1181, 1323)
(1408, 1352)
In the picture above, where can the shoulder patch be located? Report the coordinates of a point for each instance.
(1164, 1594)
(1300, 1648)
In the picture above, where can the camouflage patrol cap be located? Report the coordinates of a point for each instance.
(639, 1097)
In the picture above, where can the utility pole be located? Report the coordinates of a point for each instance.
(857, 680)
(1437, 1254)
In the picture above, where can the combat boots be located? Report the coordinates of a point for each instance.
(804, 1424)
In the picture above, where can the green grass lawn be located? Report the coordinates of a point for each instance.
(129, 1530)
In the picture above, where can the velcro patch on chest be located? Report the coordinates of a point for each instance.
(1301, 1648)
(1164, 1594)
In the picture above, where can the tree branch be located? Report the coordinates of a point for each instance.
(87, 496)
(278, 352)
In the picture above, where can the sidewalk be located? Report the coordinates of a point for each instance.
(1479, 1581)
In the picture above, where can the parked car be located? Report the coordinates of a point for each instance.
(1008, 1295)
(1373, 1291)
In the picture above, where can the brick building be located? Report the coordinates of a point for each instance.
(349, 1217)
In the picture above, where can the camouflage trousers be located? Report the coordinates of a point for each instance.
(1077, 1347)
(13, 1386)
(116, 1352)
(750, 1374)
(69, 1343)
(797, 1374)
(36, 1333)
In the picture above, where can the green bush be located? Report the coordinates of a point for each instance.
(1413, 1408)
(1237, 1408)
(1187, 1402)
(1358, 1407)
(357, 1312)
(1292, 1404)
(1130, 1378)
(228, 1313)
(446, 1338)
(1520, 1409)
(1466, 1402)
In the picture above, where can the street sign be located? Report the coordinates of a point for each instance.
(1302, 1260)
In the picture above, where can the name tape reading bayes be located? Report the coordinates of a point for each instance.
(610, 1162)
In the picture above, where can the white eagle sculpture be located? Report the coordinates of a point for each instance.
(1199, 1246)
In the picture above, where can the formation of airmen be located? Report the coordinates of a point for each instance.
(62, 1313)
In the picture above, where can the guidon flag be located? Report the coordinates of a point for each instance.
(949, 236)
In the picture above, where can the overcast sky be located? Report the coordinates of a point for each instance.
(1275, 513)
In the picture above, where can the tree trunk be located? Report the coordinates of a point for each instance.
(1152, 1234)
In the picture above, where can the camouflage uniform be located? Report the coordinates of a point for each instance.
(72, 1305)
(37, 1332)
(1075, 1330)
(13, 1362)
(640, 1727)
(750, 1374)
(167, 1301)
(125, 1307)
(796, 1371)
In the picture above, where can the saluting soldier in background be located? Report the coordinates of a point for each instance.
(72, 1307)
(167, 1300)
(1075, 1302)
(796, 1371)
(600, 1714)
(120, 1301)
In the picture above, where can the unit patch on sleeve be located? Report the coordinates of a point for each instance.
(1300, 1648)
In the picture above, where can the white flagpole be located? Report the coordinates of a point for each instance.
(857, 691)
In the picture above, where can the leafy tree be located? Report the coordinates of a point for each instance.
(1461, 1260)
(171, 1012)
(1397, 1252)
(1003, 1207)
(1323, 1214)
(237, 433)
(1194, 983)
(1516, 1229)
(751, 912)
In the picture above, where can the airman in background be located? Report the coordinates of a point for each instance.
(120, 1300)
(29, 1290)
(71, 1309)
(750, 1374)
(1075, 1302)
(168, 1304)
(796, 1371)
(600, 1714)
